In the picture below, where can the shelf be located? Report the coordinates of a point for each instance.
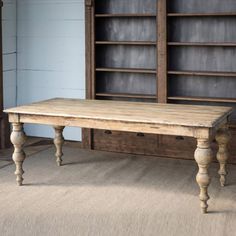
(126, 43)
(127, 70)
(203, 73)
(126, 15)
(204, 99)
(210, 44)
(125, 95)
(201, 14)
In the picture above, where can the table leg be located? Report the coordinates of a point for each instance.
(203, 156)
(18, 138)
(222, 138)
(59, 141)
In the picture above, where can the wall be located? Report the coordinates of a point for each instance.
(9, 52)
(50, 55)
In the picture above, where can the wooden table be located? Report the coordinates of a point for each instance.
(201, 122)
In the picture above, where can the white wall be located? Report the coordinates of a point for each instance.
(9, 52)
(50, 55)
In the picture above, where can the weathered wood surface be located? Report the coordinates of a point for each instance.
(201, 122)
(149, 113)
(162, 52)
(215, 60)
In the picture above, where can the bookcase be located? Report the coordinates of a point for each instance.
(162, 51)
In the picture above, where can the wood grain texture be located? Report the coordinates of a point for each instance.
(128, 142)
(89, 5)
(58, 142)
(18, 139)
(149, 113)
(203, 156)
(126, 29)
(120, 7)
(202, 6)
(223, 138)
(191, 80)
(127, 83)
(200, 122)
(162, 52)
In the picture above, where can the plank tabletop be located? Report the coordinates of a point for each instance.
(140, 112)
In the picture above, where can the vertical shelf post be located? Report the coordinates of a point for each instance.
(90, 67)
(162, 51)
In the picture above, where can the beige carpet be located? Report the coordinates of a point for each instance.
(109, 194)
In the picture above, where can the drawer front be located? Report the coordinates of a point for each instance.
(184, 147)
(232, 145)
(127, 142)
(158, 145)
(177, 146)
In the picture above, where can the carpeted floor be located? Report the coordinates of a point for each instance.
(108, 194)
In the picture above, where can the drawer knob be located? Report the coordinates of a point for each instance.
(108, 132)
(140, 134)
(179, 138)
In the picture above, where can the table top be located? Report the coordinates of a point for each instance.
(140, 112)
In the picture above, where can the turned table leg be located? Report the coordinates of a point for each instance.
(203, 156)
(222, 138)
(59, 141)
(18, 139)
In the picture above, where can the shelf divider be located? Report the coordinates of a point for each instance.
(126, 95)
(127, 70)
(203, 73)
(203, 99)
(126, 43)
(125, 15)
(201, 14)
(207, 44)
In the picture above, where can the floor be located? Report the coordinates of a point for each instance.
(99, 193)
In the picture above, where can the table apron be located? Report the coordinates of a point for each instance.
(116, 125)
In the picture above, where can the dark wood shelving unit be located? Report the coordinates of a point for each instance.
(126, 38)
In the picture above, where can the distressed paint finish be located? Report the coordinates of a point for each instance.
(200, 122)
(59, 141)
(223, 138)
(203, 156)
(18, 138)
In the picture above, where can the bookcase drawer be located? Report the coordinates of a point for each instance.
(115, 141)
